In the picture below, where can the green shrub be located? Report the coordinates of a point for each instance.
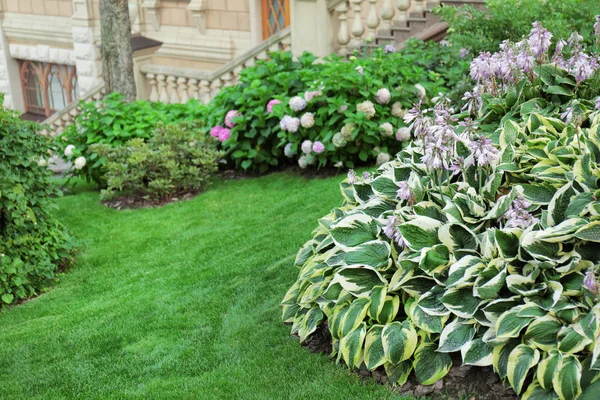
(482, 238)
(33, 244)
(256, 136)
(478, 30)
(113, 121)
(178, 158)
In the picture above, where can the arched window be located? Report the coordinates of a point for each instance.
(47, 88)
(276, 16)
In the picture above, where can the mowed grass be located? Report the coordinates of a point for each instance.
(178, 302)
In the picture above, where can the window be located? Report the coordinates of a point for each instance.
(276, 16)
(47, 88)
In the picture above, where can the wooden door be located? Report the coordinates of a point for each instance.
(275, 16)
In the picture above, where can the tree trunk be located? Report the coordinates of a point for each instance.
(117, 56)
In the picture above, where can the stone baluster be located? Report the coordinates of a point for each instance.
(387, 14)
(403, 6)
(275, 48)
(172, 88)
(162, 85)
(153, 88)
(193, 87)
(74, 112)
(227, 79)
(343, 36)
(205, 91)
(58, 126)
(183, 89)
(419, 6)
(237, 71)
(67, 118)
(216, 87)
(372, 21)
(357, 25)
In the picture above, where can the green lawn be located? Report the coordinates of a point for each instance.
(178, 302)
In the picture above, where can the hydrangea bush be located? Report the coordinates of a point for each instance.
(481, 237)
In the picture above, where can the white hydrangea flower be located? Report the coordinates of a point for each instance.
(297, 103)
(80, 162)
(397, 110)
(288, 150)
(338, 140)
(386, 129)
(347, 130)
(367, 108)
(307, 120)
(403, 134)
(302, 162)
(421, 89)
(306, 147)
(383, 96)
(382, 158)
(42, 162)
(69, 150)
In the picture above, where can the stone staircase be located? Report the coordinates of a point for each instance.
(423, 25)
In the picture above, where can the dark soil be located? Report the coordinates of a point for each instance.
(134, 202)
(462, 382)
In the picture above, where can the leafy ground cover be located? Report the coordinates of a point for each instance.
(178, 302)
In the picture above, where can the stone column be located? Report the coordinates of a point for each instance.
(311, 27)
(10, 80)
(88, 59)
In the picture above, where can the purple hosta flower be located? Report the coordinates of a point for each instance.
(397, 110)
(517, 215)
(351, 176)
(383, 96)
(404, 192)
(366, 176)
(230, 116)
(360, 70)
(224, 134)
(436, 155)
(473, 102)
(598, 103)
(581, 66)
(444, 43)
(591, 283)
(271, 104)
(307, 120)
(417, 121)
(389, 48)
(525, 60)
(557, 58)
(506, 66)
(484, 151)
(403, 134)
(386, 129)
(470, 127)
(287, 150)
(367, 108)
(464, 52)
(297, 103)
(318, 147)
(306, 146)
(539, 40)
(303, 162)
(567, 116)
(575, 41)
(214, 132)
(289, 124)
(481, 67)
(382, 158)
(391, 231)
(311, 95)
(460, 164)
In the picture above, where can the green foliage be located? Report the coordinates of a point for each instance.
(33, 244)
(177, 158)
(258, 142)
(493, 261)
(113, 121)
(478, 30)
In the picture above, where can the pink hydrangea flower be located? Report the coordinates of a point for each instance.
(318, 147)
(230, 116)
(272, 103)
(224, 134)
(216, 131)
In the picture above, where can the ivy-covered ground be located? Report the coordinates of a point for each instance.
(178, 302)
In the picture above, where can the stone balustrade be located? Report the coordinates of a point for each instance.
(58, 121)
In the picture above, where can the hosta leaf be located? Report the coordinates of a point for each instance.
(478, 353)
(536, 392)
(457, 237)
(520, 361)
(591, 392)
(509, 325)
(312, 319)
(355, 315)
(398, 373)
(548, 368)
(539, 249)
(578, 204)
(430, 366)
(418, 285)
(374, 354)
(589, 232)
(420, 232)
(431, 304)
(378, 295)
(502, 205)
(507, 243)
(351, 346)
(358, 280)
(389, 310)
(539, 194)
(384, 187)
(374, 254)
(461, 301)
(509, 133)
(489, 282)
(501, 356)
(434, 260)
(424, 321)
(542, 333)
(557, 208)
(562, 231)
(570, 341)
(335, 320)
(567, 381)
(455, 335)
(399, 341)
(354, 230)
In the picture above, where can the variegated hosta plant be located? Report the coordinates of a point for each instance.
(478, 239)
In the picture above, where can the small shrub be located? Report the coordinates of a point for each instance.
(113, 121)
(177, 158)
(481, 238)
(33, 244)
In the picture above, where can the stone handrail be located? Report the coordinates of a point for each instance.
(65, 117)
(177, 85)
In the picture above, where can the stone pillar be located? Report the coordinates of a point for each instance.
(10, 80)
(88, 59)
(311, 27)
